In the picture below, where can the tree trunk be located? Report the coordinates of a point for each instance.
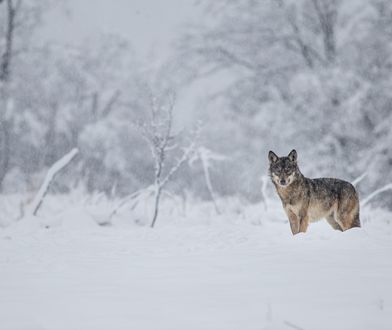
(329, 42)
(4, 149)
(50, 138)
(327, 16)
(5, 69)
(7, 55)
(157, 196)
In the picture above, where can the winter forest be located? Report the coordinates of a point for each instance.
(311, 75)
(134, 184)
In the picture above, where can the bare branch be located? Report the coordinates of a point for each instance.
(375, 193)
(327, 16)
(224, 54)
(206, 156)
(124, 201)
(111, 102)
(360, 178)
(185, 156)
(235, 59)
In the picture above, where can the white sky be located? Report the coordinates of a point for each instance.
(150, 25)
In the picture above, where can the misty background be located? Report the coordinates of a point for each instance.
(254, 75)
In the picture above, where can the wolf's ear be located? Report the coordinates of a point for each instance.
(272, 157)
(293, 155)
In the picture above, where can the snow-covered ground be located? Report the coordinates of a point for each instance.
(240, 272)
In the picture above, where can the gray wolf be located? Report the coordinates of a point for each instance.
(307, 200)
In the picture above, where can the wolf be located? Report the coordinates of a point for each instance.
(307, 200)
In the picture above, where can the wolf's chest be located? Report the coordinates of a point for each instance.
(317, 211)
(314, 211)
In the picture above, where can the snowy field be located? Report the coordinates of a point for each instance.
(105, 105)
(235, 271)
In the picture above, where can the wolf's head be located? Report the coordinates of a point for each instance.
(283, 170)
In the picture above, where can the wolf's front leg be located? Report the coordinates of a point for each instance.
(294, 222)
(303, 221)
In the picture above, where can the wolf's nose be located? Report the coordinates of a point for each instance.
(283, 181)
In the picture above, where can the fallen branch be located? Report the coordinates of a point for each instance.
(375, 193)
(264, 185)
(53, 171)
(292, 325)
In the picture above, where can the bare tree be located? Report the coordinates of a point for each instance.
(326, 13)
(158, 132)
(297, 41)
(310, 23)
(20, 18)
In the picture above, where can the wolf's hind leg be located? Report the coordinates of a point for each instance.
(347, 214)
(331, 220)
(356, 222)
(340, 220)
